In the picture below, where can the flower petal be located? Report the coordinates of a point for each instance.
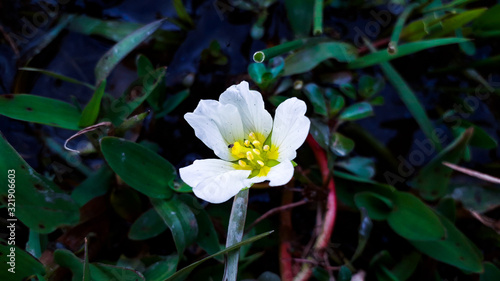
(290, 129)
(280, 174)
(250, 104)
(214, 180)
(217, 125)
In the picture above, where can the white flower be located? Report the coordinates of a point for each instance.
(251, 146)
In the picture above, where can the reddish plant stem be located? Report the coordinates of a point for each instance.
(331, 205)
(381, 42)
(286, 268)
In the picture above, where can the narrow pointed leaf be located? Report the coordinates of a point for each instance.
(148, 225)
(91, 111)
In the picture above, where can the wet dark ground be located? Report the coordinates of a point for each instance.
(75, 55)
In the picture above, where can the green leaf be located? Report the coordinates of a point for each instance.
(477, 198)
(345, 274)
(337, 102)
(207, 236)
(183, 273)
(315, 96)
(356, 111)
(41, 110)
(122, 107)
(39, 203)
(456, 249)
(320, 132)
(172, 102)
(139, 167)
(341, 145)
(36, 244)
(58, 76)
(23, 266)
(360, 166)
(180, 219)
(182, 13)
(95, 185)
(98, 271)
(300, 16)
(491, 272)
(364, 231)
(412, 103)
(148, 225)
(161, 270)
(256, 71)
(144, 65)
(405, 268)
(114, 55)
(369, 86)
(413, 220)
(403, 50)
(432, 180)
(447, 208)
(480, 138)
(377, 206)
(489, 20)
(308, 58)
(91, 111)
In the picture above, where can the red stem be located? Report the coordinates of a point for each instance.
(286, 267)
(331, 205)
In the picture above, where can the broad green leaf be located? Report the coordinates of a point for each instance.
(413, 220)
(377, 206)
(455, 249)
(134, 96)
(366, 86)
(23, 266)
(476, 198)
(480, 138)
(41, 110)
(145, 68)
(91, 111)
(315, 96)
(207, 236)
(144, 65)
(172, 102)
(491, 272)
(405, 268)
(360, 166)
(337, 103)
(308, 58)
(356, 111)
(488, 20)
(320, 132)
(447, 208)
(112, 30)
(112, 57)
(161, 270)
(148, 225)
(139, 167)
(98, 271)
(432, 180)
(180, 219)
(95, 185)
(39, 203)
(403, 50)
(58, 76)
(183, 273)
(412, 103)
(341, 145)
(300, 16)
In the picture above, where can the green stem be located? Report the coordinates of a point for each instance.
(270, 53)
(398, 27)
(235, 233)
(318, 17)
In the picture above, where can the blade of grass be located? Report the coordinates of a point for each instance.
(58, 76)
(398, 27)
(121, 49)
(235, 233)
(91, 111)
(318, 17)
(409, 99)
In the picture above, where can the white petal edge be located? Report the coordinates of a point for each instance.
(290, 128)
(250, 104)
(280, 174)
(214, 180)
(216, 125)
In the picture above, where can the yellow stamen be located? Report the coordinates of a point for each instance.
(252, 135)
(266, 147)
(247, 143)
(249, 156)
(242, 163)
(260, 163)
(256, 151)
(256, 143)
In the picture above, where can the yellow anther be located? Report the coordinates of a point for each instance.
(252, 135)
(260, 163)
(256, 143)
(247, 143)
(249, 156)
(242, 163)
(256, 151)
(266, 147)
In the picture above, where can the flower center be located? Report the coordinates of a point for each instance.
(254, 155)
